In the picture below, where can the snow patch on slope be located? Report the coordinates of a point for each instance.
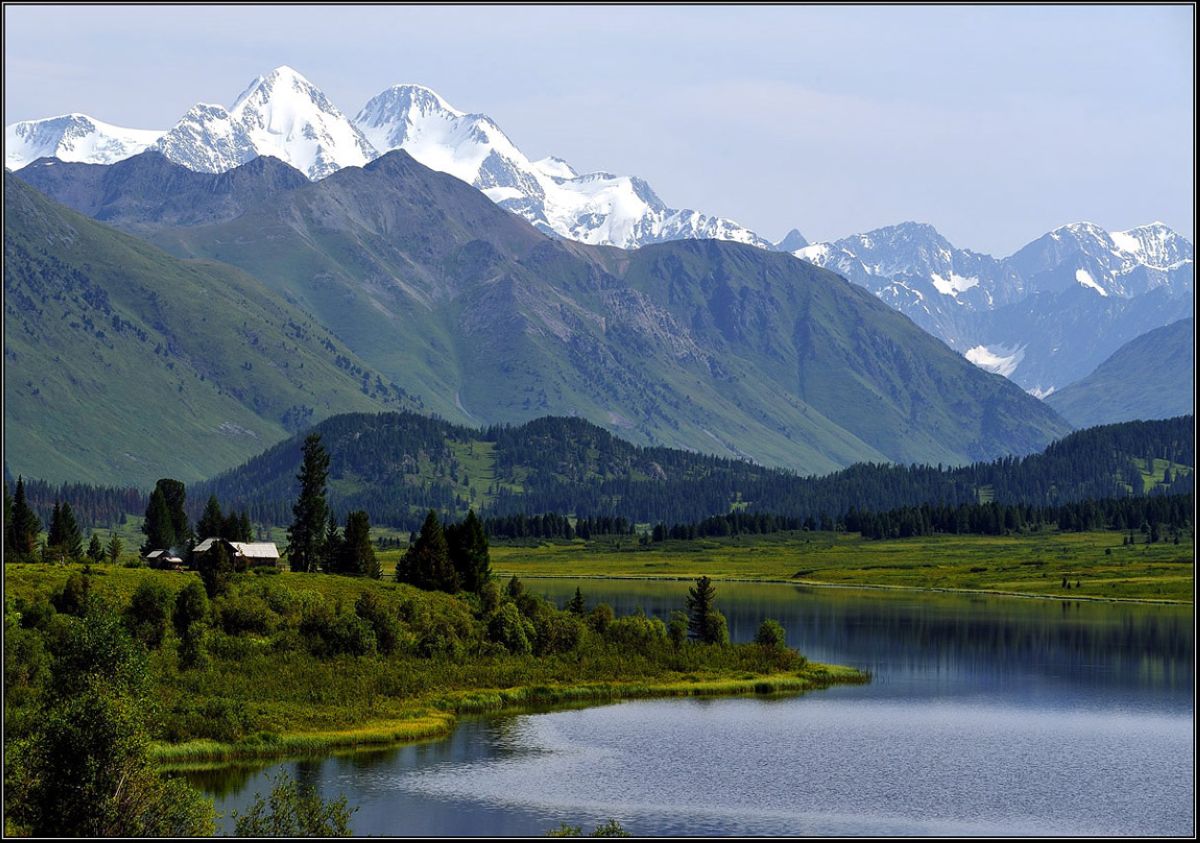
(73, 137)
(996, 359)
(1085, 278)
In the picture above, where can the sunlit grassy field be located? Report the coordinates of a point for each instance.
(1035, 564)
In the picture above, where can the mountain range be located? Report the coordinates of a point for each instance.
(701, 344)
(1045, 316)
(1022, 316)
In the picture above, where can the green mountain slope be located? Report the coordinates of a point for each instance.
(124, 364)
(1150, 377)
(398, 465)
(709, 346)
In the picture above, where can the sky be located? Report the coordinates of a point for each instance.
(995, 124)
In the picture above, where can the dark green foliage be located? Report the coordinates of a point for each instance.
(330, 634)
(356, 552)
(26, 659)
(216, 569)
(175, 495)
(244, 613)
(75, 595)
(95, 551)
(331, 553)
(557, 632)
(293, 810)
(566, 465)
(21, 527)
(770, 634)
(636, 631)
(577, 606)
(677, 628)
(114, 548)
(427, 563)
(211, 522)
(600, 618)
(149, 613)
(85, 769)
(191, 607)
(306, 535)
(382, 620)
(512, 629)
(64, 538)
(700, 608)
(468, 549)
(158, 527)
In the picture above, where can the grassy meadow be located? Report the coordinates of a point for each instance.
(1030, 564)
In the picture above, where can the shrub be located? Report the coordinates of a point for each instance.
(293, 810)
(770, 634)
(245, 613)
(677, 628)
(557, 632)
(510, 628)
(382, 620)
(600, 617)
(148, 613)
(637, 631)
(73, 597)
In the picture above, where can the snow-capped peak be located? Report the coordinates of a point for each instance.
(72, 137)
(280, 114)
(1155, 245)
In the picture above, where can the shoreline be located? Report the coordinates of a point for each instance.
(439, 716)
(853, 586)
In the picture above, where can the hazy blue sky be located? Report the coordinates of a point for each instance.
(994, 124)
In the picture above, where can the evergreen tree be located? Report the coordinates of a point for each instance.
(158, 527)
(700, 611)
(427, 563)
(95, 550)
(212, 522)
(216, 569)
(468, 547)
(114, 548)
(306, 536)
(22, 538)
(245, 528)
(331, 556)
(175, 495)
(577, 606)
(357, 552)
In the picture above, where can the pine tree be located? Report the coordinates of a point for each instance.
(427, 563)
(72, 536)
(22, 528)
(468, 547)
(95, 550)
(331, 556)
(175, 495)
(577, 606)
(216, 569)
(114, 548)
(357, 552)
(700, 611)
(306, 536)
(158, 527)
(245, 528)
(212, 521)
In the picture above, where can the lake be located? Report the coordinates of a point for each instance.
(985, 716)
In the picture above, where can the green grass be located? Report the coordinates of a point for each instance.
(265, 694)
(1033, 564)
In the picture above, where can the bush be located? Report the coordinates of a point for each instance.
(73, 597)
(328, 634)
(557, 632)
(148, 614)
(510, 628)
(191, 607)
(637, 631)
(382, 620)
(600, 617)
(245, 613)
(770, 634)
(293, 811)
(677, 628)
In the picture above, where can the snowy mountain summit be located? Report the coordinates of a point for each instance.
(597, 208)
(285, 116)
(72, 137)
(281, 114)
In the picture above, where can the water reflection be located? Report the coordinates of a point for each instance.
(987, 716)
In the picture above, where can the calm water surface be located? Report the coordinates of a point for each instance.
(985, 716)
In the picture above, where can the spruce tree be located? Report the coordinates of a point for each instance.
(23, 527)
(175, 496)
(357, 552)
(212, 521)
(306, 536)
(577, 606)
(72, 536)
(331, 556)
(427, 563)
(95, 550)
(216, 569)
(114, 548)
(700, 610)
(158, 527)
(468, 548)
(245, 528)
